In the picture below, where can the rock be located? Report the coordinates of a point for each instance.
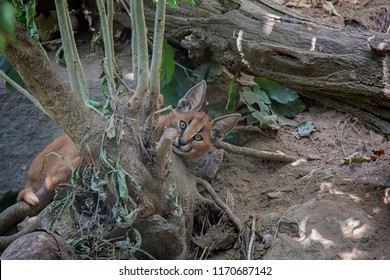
(277, 194)
(38, 245)
(323, 230)
(161, 238)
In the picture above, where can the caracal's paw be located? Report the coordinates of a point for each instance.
(30, 197)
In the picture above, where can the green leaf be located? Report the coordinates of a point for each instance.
(111, 128)
(7, 19)
(96, 104)
(271, 122)
(233, 95)
(177, 88)
(288, 110)
(121, 183)
(46, 26)
(208, 70)
(232, 138)
(2, 43)
(10, 71)
(7, 24)
(7, 200)
(30, 10)
(257, 99)
(261, 119)
(168, 62)
(276, 91)
(172, 4)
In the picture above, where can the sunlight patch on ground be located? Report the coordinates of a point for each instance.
(315, 236)
(353, 228)
(377, 210)
(302, 229)
(355, 254)
(298, 162)
(325, 186)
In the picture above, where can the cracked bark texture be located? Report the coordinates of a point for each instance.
(331, 64)
(85, 128)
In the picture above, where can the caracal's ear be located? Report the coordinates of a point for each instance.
(194, 98)
(223, 125)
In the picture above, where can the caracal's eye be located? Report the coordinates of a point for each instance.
(182, 125)
(198, 137)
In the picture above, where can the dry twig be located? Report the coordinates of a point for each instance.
(253, 236)
(265, 155)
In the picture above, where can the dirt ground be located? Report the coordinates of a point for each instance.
(320, 208)
(316, 208)
(270, 190)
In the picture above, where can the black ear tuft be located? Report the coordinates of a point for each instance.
(194, 98)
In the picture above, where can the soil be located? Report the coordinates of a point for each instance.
(319, 207)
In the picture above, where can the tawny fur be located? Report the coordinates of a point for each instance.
(196, 133)
(198, 123)
(49, 169)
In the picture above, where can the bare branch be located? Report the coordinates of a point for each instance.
(154, 82)
(106, 19)
(76, 75)
(137, 100)
(134, 41)
(278, 156)
(159, 29)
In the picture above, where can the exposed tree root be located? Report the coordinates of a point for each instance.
(274, 156)
(5, 241)
(209, 189)
(17, 212)
(207, 202)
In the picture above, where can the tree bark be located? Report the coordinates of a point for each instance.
(328, 63)
(53, 94)
(158, 195)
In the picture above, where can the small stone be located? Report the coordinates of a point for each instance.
(276, 194)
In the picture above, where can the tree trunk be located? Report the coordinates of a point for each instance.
(328, 63)
(53, 94)
(158, 197)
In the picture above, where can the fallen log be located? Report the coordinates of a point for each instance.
(343, 67)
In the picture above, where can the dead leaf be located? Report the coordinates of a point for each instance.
(297, 4)
(375, 154)
(328, 6)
